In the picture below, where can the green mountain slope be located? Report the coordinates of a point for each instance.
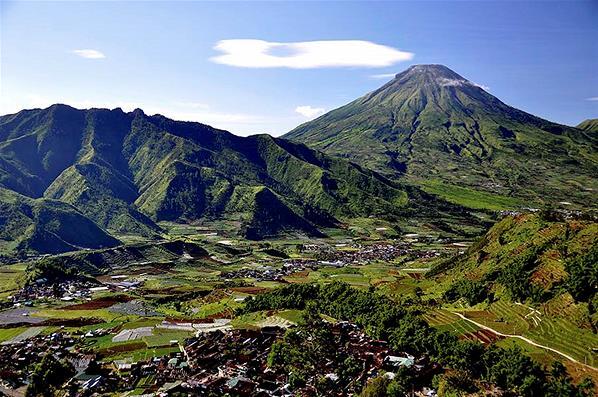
(31, 226)
(589, 125)
(98, 261)
(128, 171)
(547, 258)
(432, 125)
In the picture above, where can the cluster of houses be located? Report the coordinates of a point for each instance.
(324, 255)
(42, 289)
(271, 273)
(235, 362)
(363, 254)
(215, 362)
(67, 290)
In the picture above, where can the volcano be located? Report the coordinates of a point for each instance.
(435, 128)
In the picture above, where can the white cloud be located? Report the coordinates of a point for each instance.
(249, 53)
(482, 86)
(458, 82)
(594, 98)
(383, 76)
(309, 112)
(89, 54)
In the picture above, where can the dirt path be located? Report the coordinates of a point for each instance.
(523, 338)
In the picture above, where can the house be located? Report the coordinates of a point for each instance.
(397, 361)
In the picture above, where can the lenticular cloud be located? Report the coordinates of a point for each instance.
(249, 53)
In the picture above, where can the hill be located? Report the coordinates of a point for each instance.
(589, 125)
(129, 171)
(30, 226)
(546, 258)
(99, 261)
(445, 134)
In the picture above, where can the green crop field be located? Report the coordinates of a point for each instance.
(9, 333)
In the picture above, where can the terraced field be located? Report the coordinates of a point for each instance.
(9, 279)
(275, 321)
(513, 319)
(440, 317)
(447, 321)
(557, 333)
(460, 327)
(564, 336)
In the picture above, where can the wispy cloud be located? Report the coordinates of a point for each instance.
(249, 53)
(593, 98)
(482, 86)
(460, 82)
(309, 112)
(383, 76)
(89, 54)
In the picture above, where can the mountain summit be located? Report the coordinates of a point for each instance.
(431, 125)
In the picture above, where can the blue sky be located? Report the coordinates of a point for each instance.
(541, 57)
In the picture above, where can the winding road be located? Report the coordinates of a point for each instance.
(523, 338)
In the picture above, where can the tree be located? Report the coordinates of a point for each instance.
(582, 282)
(512, 370)
(48, 375)
(561, 384)
(376, 387)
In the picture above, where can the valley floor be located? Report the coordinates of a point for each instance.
(135, 321)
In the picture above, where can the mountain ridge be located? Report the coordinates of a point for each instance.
(126, 172)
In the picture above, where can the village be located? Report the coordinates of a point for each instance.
(214, 361)
(203, 356)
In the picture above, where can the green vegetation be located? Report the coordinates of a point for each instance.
(509, 369)
(524, 255)
(582, 282)
(68, 177)
(473, 292)
(49, 375)
(40, 225)
(590, 125)
(475, 149)
(471, 198)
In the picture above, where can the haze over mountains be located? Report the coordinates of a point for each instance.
(105, 169)
(432, 126)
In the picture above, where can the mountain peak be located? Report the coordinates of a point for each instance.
(430, 122)
(430, 69)
(432, 74)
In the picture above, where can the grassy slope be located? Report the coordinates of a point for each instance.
(556, 320)
(128, 171)
(41, 225)
(420, 127)
(589, 125)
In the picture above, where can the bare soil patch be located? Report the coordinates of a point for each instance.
(99, 303)
(250, 290)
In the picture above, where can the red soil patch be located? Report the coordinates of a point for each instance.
(483, 335)
(71, 322)
(416, 276)
(100, 303)
(250, 290)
